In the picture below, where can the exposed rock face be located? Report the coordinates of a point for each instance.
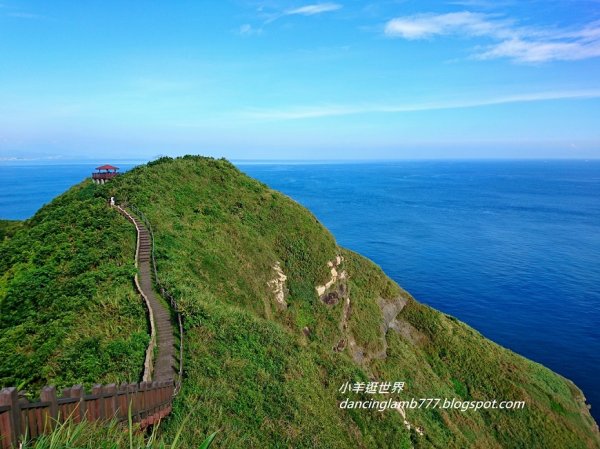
(336, 290)
(341, 345)
(390, 308)
(347, 338)
(277, 285)
(333, 297)
(389, 311)
(408, 331)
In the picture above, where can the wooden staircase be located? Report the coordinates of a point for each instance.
(163, 368)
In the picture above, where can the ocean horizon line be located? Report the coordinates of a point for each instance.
(257, 161)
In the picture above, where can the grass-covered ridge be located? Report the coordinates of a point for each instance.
(278, 317)
(8, 228)
(268, 375)
(68, 310)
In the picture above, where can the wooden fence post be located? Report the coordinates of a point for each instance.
(77, 392)
(143, 397)
(9, 398)
(73, 414)
(97, 391)
(123, 402)
(110, 400)
(131, 400)
(154, 397)
(48, 394)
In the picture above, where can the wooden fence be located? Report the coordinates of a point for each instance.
(149, 402)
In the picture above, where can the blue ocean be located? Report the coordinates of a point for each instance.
(511, 248)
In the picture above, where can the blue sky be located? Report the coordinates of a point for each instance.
(300, 79)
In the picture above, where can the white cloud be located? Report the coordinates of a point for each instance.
(320, 111)
(424, 26)
(306, 10)
(248, 30)
(542, 51)
(521, 44)
(311, 10)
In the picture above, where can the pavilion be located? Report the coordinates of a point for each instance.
(104, 173)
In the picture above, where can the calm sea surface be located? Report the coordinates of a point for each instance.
(511, 248)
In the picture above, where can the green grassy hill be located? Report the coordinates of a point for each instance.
(69, 312)
(277, 318)
(8, 228)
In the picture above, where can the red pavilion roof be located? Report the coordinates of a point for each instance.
(107, 167)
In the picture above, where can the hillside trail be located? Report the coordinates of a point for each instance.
(162, 330)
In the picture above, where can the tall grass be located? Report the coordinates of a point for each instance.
(108, 435)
